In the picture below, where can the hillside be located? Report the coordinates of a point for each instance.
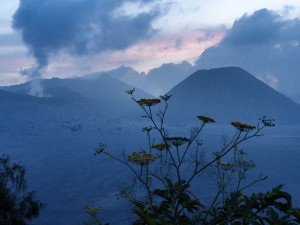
(71, 105)
(296, 98)
(104, 92)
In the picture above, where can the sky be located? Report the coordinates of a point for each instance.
(63, 38)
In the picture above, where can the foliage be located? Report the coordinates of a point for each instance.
(273, 207)
(93, 216)
(166, 170)
(17, 207)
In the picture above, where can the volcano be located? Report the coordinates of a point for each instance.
(229, 94)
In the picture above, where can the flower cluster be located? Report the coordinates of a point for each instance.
(165, 97)
(148, 102)
(161, 146)
(100, 149)
(141, 158)
(246, 164)
(206, 119)
(130, 92)
(242, 126)
(147, 129)
(267, 122)
(177, 141)
(227, 166)
(242, 163)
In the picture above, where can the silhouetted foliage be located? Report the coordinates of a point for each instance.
(17, 207)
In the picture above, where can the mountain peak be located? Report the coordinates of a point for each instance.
(231, 93)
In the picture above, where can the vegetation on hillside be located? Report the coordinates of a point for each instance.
(167, 169)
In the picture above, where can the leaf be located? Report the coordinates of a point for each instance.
(139, 205)
(162, 193)
(144, 217)
(275, 195)
(193, 205)
(296, 213)
(169, 183)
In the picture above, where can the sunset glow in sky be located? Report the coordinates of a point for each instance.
(64, 38)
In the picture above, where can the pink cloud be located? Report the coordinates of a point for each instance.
(145, 55)
(168, 48)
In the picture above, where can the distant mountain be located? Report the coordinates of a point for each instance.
(105, 91)
(122, 73)
(72, 104)
(157, 81)
(160, 80)
(229, 94)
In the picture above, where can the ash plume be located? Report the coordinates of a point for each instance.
(80, 27)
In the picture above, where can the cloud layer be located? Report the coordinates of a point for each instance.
(80, 27)
(263, 43)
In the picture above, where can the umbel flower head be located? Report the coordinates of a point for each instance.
(130, 92)
(161, 146)
(148, 102)
(147, 129)
(267, 122)
(226, 166)
(206, 119)
(242, 163)
(142, 158)
(242, 126)
(177, 141)
(165, 97)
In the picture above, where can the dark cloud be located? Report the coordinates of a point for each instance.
(79, 26)
(260, 28)
(263, 43)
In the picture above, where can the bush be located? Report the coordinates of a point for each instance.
(167, 168)
(17, 207)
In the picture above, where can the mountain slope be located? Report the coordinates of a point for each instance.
(68, 111)
(72, 105)
(105, 92)
(296, 98)
(160, 80)
(229, 94)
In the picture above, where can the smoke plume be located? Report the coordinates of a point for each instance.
(79, 27)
